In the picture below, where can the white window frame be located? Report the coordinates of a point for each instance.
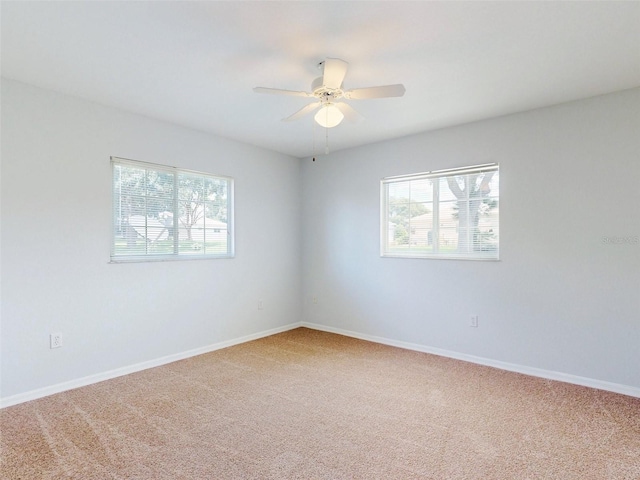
(176, 255)
(386, 250)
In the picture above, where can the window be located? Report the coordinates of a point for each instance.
(443, 214)
(164, 213)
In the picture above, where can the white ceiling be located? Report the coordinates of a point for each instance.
(195, 63)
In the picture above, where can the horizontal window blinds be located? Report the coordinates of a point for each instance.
(442, 214)
(161, 213)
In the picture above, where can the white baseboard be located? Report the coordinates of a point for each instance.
(512, 367)
(536, 372)
(118, 372)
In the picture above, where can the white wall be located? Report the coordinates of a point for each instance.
(559, 299)
(56, 212)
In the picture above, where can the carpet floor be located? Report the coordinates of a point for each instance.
(306, 404)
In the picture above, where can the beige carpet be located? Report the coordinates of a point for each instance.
(313, 405)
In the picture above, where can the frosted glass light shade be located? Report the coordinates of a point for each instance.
(329, 116)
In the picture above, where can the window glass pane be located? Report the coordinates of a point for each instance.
(216, 240)
(399, 190)
(191, 240)
(191, 216)
(134, 206)
(494, 185)
(190, 187)
(421, 220)
(450, 185)
(155, 207)
(132, 247)
(488, 226)
(421, 190)
(159, 184)
(215, 212)
(398, 214)
(130, 181)
(448, 227)
(421, 226)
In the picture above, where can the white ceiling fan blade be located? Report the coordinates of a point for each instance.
(376, 92)
(349, 113)
(334, 72)
(277, 91)
(302, 112)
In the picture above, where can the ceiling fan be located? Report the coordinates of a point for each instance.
(328, 90)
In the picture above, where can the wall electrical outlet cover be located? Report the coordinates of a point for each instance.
(474, 321)
(55, 340)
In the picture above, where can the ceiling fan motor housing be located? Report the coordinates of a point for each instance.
(325, 94)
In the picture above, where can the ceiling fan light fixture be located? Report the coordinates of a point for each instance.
(329, 116)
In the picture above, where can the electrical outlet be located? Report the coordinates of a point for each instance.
(55, 340)
(260, 305)
(315, 299)
(474, 321)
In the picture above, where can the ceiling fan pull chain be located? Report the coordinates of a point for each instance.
(314, 140)
(326, 141)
